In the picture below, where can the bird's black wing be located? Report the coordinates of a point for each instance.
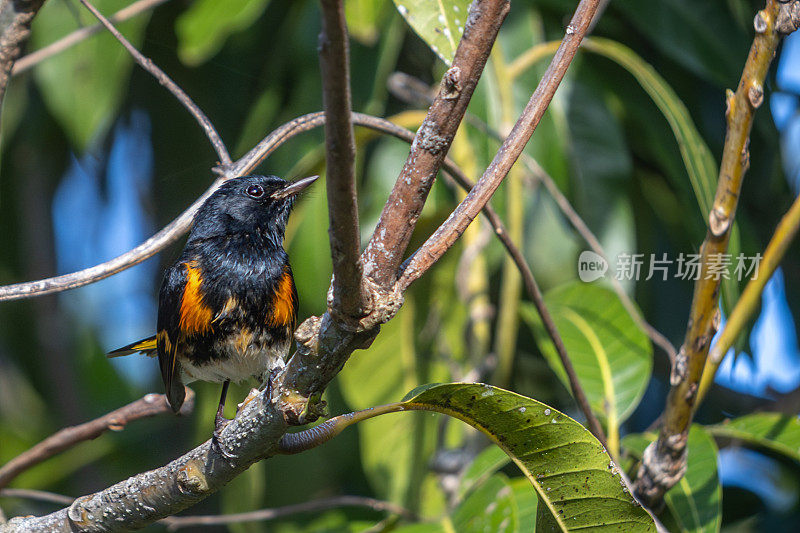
(168, 336)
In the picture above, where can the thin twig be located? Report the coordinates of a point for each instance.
(447, 234)
(749, 301)
(386, 249)
(340, 152)
(34, 58)
(40, 495)
(175, 523)
(147, 406)
(664, 461)
(171, 86)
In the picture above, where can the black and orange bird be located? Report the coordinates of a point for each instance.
(227, 307)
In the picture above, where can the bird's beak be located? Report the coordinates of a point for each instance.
(294, 188)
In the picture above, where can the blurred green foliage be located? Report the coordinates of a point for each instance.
(630, 138)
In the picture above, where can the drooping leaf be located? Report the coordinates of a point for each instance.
(439, 23)
(490, 507)
(776, 431)
(573, 476)
(84, 85)
(203, 28)
(696, 501)
(700, 163)
(611, 355)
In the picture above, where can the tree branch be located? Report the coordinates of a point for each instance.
(349, 296)
(171, 86)
(387, 247)
(750, 299)
(16, 17)
(147, 406)
(34, 58)
(447, 234)
(664, 461)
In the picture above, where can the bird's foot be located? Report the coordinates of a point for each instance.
(220, 423)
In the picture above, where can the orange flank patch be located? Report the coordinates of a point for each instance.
(195, 315)
(283, 311)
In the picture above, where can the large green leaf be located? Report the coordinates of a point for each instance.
(203, 28)
(775, 431)
(696, 501)
(440, 23)
(83, 85)
(572, 474)
(611, 355)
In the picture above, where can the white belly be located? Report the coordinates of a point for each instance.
(244, 360)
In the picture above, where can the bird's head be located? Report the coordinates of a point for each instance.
(249, 204)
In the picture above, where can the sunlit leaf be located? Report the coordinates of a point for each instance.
(203, 28)
(611, 355)
(776, 431)
(439, 23)
(696, 501)
(572, 474)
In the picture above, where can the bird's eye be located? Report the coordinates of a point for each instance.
(255, 191)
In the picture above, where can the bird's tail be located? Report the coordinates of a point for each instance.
(146, 346)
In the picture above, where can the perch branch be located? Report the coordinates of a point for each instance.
(166, 81)
(349, 296)
(34, 58)
(749, 301)
(447, 234)
(664, 461)
(147, 406)
(387, 247)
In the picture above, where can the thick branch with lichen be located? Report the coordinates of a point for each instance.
(664, 461)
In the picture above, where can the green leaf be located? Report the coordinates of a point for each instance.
(439, 23)
(700, 163)
(83, 86)
(491, 507)
(363, 19)
(574, 477)
(775, 431)
(611, 355)
(481, 468)
(203, 28)
(527, 504)
(696, 501)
